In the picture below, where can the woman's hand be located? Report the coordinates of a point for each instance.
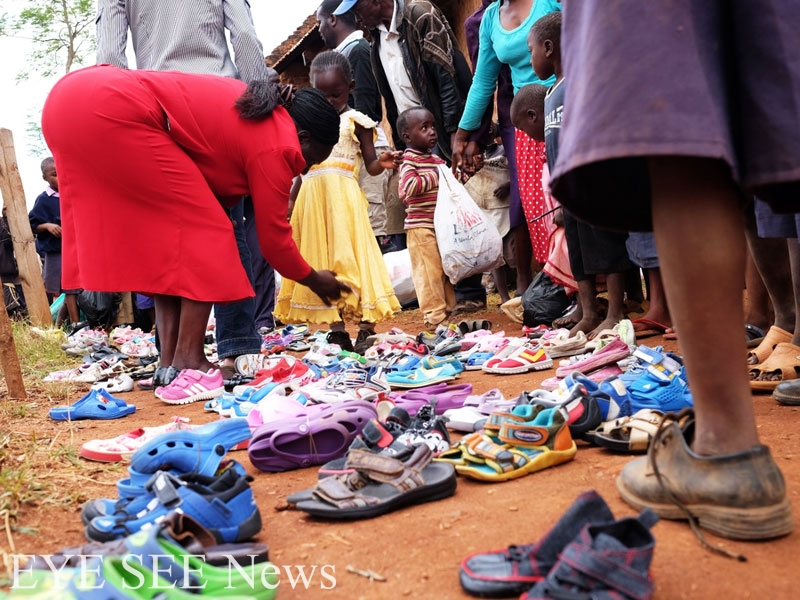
(325, 285)
(458, 144)
(472, 158)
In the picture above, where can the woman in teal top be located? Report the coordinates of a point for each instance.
(503, 40)
(501, 45)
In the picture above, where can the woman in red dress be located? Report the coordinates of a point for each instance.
(147, 162)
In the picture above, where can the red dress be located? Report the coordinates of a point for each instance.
(146, 161)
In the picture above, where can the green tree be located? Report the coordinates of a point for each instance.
(62, 37)
(62, 33)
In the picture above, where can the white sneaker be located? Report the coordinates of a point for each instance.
(119, 384)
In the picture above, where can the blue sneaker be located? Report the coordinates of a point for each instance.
(224, 505)
(135, 493)
(651, 357)
(660, 391)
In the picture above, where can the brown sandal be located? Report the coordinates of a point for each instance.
(774, 336)
(784, 361)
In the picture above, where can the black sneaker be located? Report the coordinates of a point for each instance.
(341, 339)
(362, 343)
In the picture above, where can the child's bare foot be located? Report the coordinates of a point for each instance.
(570, 319)
(586, 324)
(608, 323)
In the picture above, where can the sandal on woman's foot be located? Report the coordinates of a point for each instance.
(774, 336)
(782, 365)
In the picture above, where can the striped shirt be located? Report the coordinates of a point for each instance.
(419, 187)
(170, 35)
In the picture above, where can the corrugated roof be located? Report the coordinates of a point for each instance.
(293, 45)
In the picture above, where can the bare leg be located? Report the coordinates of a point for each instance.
(501, 283)
(758, 306)
(771, 258)
(524, 251)
(658, 310)
(168, 314)
(189, 352)
(703, 282)
(616, 303)
(794, 262)
(71, 302)
(587, 298)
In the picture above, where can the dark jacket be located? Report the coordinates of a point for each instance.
(439, 72)
(365, 97)
(8, 263)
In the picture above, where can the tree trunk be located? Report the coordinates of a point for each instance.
(30, 269)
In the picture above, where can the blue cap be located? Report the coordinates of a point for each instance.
(345, 6)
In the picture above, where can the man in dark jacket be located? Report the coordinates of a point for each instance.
(416, 61)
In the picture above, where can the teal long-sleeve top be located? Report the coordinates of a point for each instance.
(499, 46)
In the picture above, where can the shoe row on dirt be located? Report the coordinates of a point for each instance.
(183, 517)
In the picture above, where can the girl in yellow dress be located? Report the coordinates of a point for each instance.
(330, 220)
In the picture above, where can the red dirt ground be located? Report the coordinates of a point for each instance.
(418, 550)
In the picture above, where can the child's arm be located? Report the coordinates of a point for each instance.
(51, 228)
(298, 181)
(375, 164)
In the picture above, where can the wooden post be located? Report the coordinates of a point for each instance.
(8, 354)
(30, 270)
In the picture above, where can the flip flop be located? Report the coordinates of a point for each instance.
(97, 404)
(648, 328)
(380, 484)
(197, 450)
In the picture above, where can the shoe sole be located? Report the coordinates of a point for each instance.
(545, 460)
(207, 395)
(759, 523)
(540, 366)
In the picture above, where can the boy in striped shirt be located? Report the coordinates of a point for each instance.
(419, 187)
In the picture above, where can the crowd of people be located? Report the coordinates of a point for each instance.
(634, 146)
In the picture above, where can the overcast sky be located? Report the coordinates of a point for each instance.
(275, 20)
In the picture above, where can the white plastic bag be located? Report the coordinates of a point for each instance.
(468, 241)
(399, 266)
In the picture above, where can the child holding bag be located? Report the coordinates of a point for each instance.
(419, 188)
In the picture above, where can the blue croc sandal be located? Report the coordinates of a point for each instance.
(97, 404)
(197, 450)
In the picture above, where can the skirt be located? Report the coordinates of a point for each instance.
(716, 79)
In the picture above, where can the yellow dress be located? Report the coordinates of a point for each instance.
(331, 227)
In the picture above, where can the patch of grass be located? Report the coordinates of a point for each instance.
(40, 354)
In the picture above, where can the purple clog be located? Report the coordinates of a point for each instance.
(313, 439)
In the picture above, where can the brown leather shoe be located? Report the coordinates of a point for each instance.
(737, 496)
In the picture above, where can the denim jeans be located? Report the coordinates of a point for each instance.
(236, 329)
(263, 274)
